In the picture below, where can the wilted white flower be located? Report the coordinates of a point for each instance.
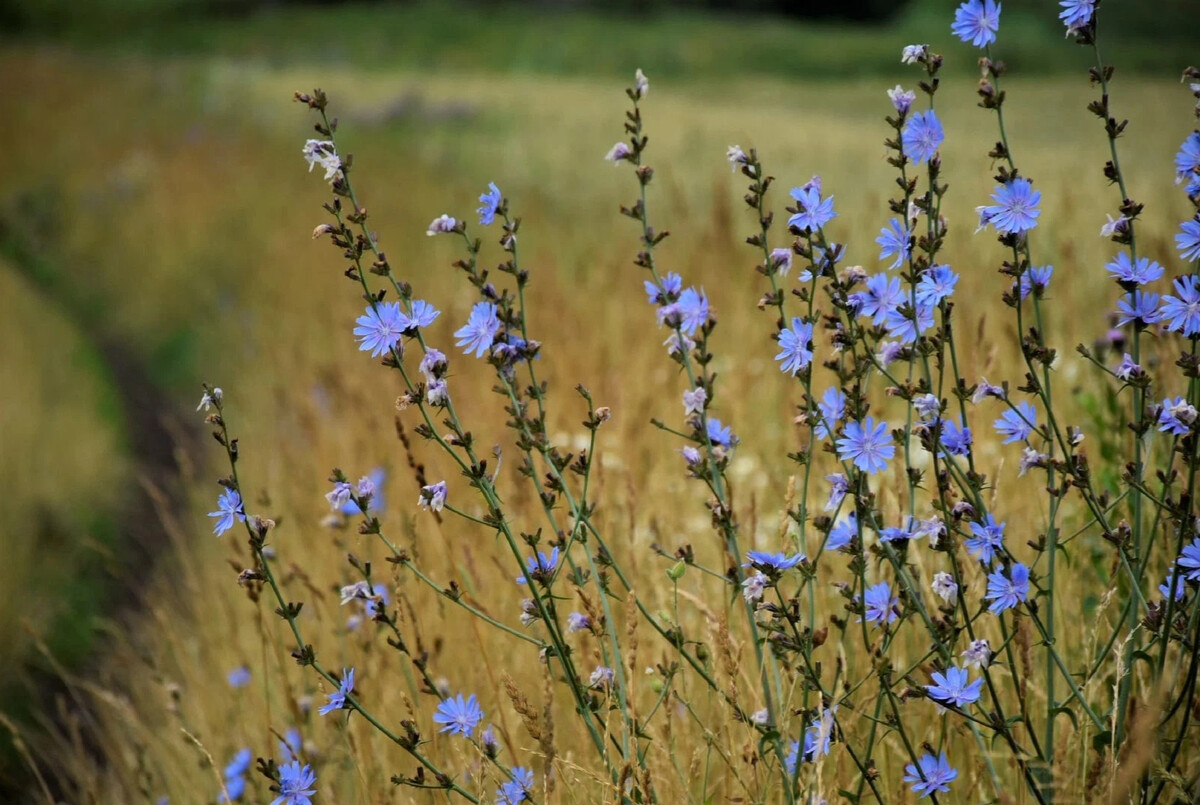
(782, 260)
(945, 588)
(209, 399)
(693, 400)
(753, 587)
(321, 152)
(984, 390)
(931, 527)
(1113, 225)
(888, 352)
(436, 392)
(902, 99)
(641, 83)
(912, 53)
(339, 496)
(736, 156)
(441, 225)
(985, 218)
(358, 591)
(1030, 458)
(927, 405)
(529, 613)
(433, 497)
(619, 153)
(690, 455)
(602, 677)
(978, 654)
(1181, 410)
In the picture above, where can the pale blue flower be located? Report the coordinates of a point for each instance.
(423, 314)
(814, 212)
(868, 445)
(880, 605)
(895, 239)
(1139, 307)
(379, 329)
(795, 347)
(720, 434)
(922, 136)
(1006, 591)
(987, 539)
(1140, 272)
(1188, 239)
(937, 283)
(517, 789)
(773, 562)
(832, 408)
(1181, 311)
(337, 699)
(1016, 425)
(842, 533)
(229, 509)
(539, 567)
(478, 334)
(935, 774)
(976, 22)
(1076, 13)
(1016, 208)
(459, 716)
(295, 784)
(490, 202)
(954, 687)
(239, 677)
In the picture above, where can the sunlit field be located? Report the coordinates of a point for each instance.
(166, 205)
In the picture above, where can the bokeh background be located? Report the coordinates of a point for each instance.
(155, 215)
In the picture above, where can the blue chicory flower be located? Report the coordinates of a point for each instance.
(935, 774)
(459, 716)
(1006, 591)
(229, 509)
(1140, 272)
(880, 605)
(922, 136)
(895, 239)
(987, 539)
(296, 784)
(795, 347)
(1188, 239)
(814, 212)
(379, 329)
(1016, 425)
(479, 333)
(1016, 208)
(832, 407)
(539, 566)
(869, 445)
(337, 699)
(489, 203)
(954, 687)
(976, 22)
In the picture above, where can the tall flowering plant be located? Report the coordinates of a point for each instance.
(902, 636)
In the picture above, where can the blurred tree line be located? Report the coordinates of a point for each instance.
(1176, 21)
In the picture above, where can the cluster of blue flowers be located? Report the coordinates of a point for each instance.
(899, 315)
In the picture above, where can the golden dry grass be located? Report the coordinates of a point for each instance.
(186, 203)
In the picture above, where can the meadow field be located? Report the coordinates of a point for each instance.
(156, 221)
